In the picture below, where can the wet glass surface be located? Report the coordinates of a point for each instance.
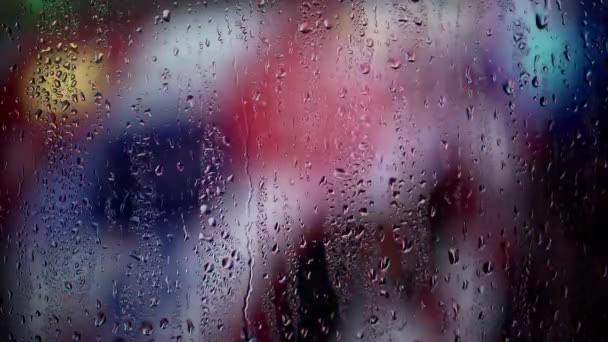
(303, 170)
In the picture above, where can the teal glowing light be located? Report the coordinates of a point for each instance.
(553, 50)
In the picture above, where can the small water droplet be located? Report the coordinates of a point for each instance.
(100, 319)
(411, 56)
(164, 323)
(227, 262)
(542, 20)
(394, 63)
(470, 112)
(190, 326)
(147, 328)
(166, 15)
(364, 68)
(98, 57)
(453, 255)
(488, 267)
(508, 87)
(281, 73)
(305, 27)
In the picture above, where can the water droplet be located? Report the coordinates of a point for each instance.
(340, 173)
(385, 263)
(364, 68)
(100, 319)
(542, 20)
(411, 56)
(147, 328)
(508, 87)
(154, 301)
(166, 15)
(190, 326)
(394, 63)
(281, 73)
(453, 255)
(406, 246)
(488, 267)
(227, 262)
(305, 27)
(98, 57)
(470, 112)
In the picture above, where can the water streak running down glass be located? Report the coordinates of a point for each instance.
(340, 170)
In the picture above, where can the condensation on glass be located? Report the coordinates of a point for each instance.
(265, 170)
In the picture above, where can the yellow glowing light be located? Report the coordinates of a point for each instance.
(62, 81)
